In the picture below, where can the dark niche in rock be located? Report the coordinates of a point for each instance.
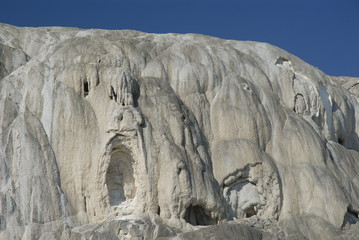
(351, 217)
(196, 215)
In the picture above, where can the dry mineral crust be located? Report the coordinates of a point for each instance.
(128, 135)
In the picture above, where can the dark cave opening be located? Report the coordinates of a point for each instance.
(196, 215)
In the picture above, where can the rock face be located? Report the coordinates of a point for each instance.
(125, 135)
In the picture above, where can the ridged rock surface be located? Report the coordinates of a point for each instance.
(125, 135)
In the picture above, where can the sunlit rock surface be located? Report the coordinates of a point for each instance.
(124, 134)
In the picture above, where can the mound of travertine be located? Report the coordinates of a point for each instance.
(128, 135)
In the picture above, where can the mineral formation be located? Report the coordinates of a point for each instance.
(128, 135)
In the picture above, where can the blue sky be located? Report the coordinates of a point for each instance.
(324, 33)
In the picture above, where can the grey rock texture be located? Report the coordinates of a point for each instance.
(129, 135)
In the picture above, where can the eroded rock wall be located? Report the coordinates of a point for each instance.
(160, 133)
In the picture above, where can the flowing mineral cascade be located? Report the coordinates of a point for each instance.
(128, 135)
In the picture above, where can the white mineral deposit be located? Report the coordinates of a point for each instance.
(128, 135)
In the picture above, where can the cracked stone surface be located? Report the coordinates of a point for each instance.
(128, 135)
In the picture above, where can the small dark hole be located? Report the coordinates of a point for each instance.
(159, 211)
(250, 212)
(281, 61)
(86, 88)
(340, 141)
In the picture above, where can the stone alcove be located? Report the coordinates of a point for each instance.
(120, 179)
(197, 215)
